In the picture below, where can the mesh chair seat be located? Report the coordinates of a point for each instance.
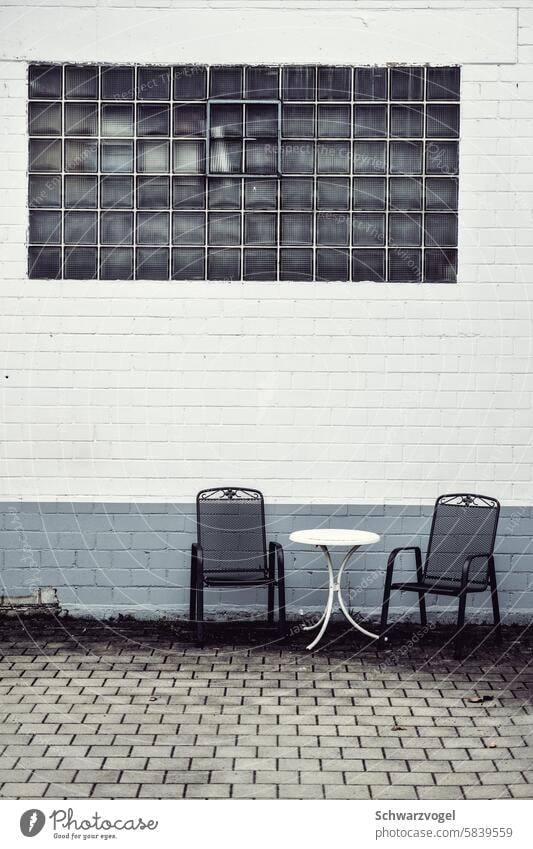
(232, 551)
(459, 558)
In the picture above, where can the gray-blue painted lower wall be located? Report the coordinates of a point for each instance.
(104, 559)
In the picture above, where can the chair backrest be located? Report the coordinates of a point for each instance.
(231, 531)
(462, 525)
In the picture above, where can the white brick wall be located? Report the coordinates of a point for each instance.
(317, 392)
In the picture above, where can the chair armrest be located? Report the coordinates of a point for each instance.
(197, 561)
(418, 560)
(466, 566)
(276, 561)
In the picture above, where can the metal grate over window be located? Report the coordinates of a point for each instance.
(243, 173)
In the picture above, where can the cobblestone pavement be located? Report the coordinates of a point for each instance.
(135, 710)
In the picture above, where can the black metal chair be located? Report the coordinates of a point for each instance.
(231, 550)
(459, 558)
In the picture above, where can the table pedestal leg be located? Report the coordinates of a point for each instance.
(335, 587)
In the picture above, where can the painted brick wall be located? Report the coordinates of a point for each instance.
(319, 394)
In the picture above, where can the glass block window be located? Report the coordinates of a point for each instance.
(232, 172)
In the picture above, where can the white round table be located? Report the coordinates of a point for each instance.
(323, 538)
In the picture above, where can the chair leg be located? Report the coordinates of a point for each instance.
(422, 606)
(495, 602)
(458, 639)
(192, 600)
(281, 604)
(200, 615)
(386, 600)
(270, 618)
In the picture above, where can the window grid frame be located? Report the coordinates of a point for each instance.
(206, 175)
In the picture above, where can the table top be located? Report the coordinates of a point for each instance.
(334, 536)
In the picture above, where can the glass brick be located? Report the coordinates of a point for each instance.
(261, 157)
(226, 81)
(296, 264)
(45, 228)
(441, 229)
(224, 228)
(332, 264)
(262, 83)
(117, 119)
(442, 157)
(260, 194)
(223, 264)
(334, 83)
(189, 119)
(440, 266)
(153, 119)
(260, 264)
(368, 265)
(224, 193)
(116, 264)
(407, 83)
(370, 84)
(116, 192)
(296, 228)
(333, 157)
(81, 82)
(334, 121)
(443, 83)
(80, 228)
(297, 193)
(190, 82)
(153, 192)
(332, 228)
(370, 121)
(81, 119)
(153, 157)
(45, 81)
(45, 155)
(225, 120)
(405, 229)
(368, 229)
(116, 228)
(153, 83)
(261, 120)
(153, 228)
(44, 263)
(44, 119)
(442, 120)
(44, 191)
(298, 82)
(152, 264)
(80, 263)
(298, 122)
(441, 194)
(369, 157)
(188, 228)
(406, 121)
(405, 157)
(405, 193)
(188, 264)
(118, 83)
(333, 193)
(260, 228)
(188, 192)
(81, 156)
(369, 193)
(117, 156)
(405, 265)
(225, 156)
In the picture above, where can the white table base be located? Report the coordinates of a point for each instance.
(335, 587)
